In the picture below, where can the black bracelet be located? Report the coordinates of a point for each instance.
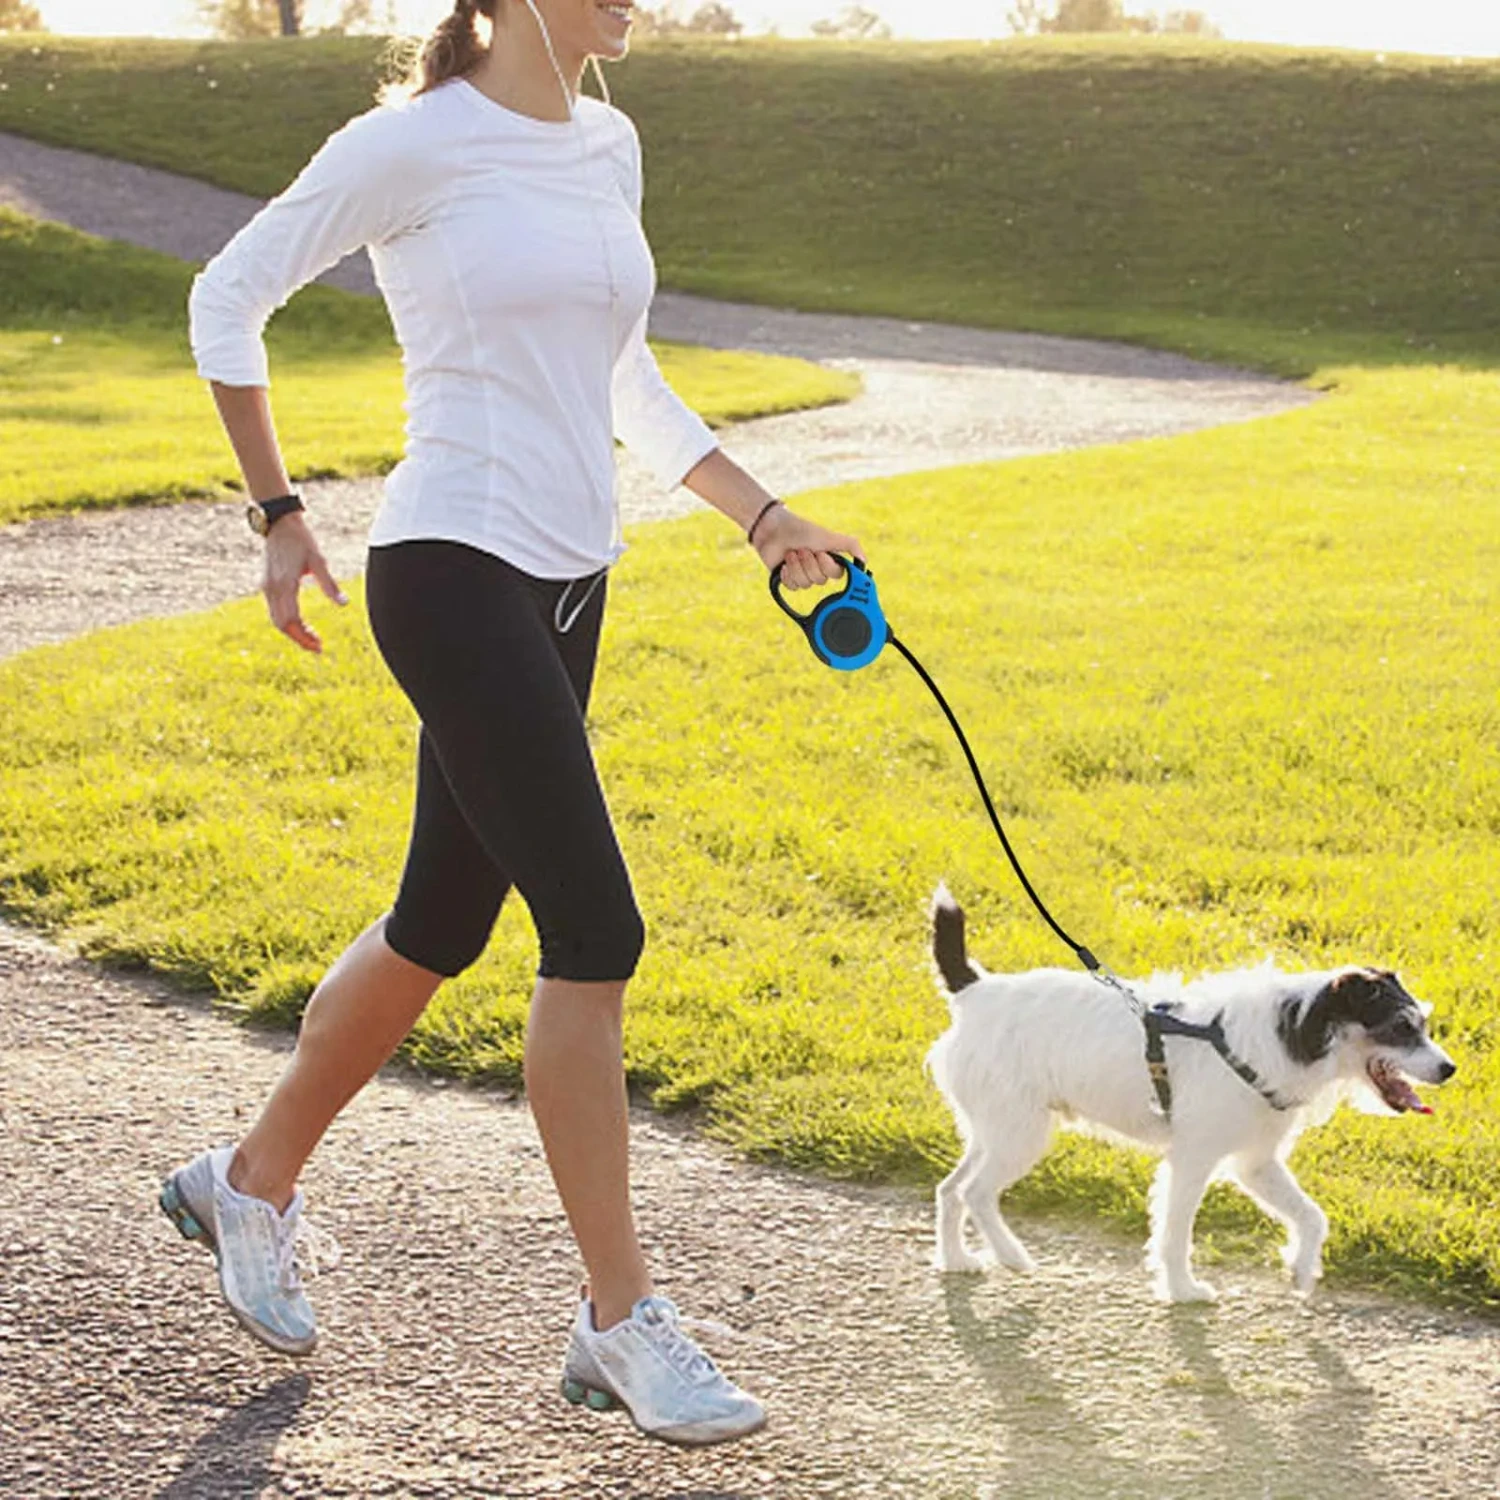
(769, 505)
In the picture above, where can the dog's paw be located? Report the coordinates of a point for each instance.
(1305, 1277)
(1305, 1266)
(1017, 1260)
(959, 1262)
(1185, 1289)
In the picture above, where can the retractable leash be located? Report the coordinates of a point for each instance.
(847, 631)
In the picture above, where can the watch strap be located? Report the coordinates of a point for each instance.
(271, 511)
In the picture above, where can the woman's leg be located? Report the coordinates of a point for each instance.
(357, 1017)
(575, 1083)
(501, 693)
(371, 997)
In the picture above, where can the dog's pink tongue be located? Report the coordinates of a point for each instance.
(1407, 1097)
(1396, 1091)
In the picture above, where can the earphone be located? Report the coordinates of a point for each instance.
(556, 68)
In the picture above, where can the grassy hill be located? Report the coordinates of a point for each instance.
(1285, 208)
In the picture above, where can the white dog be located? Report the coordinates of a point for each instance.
(1027, 1049)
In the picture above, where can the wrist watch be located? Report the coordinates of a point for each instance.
(263, 515)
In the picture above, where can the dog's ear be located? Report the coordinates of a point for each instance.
(1355, 997)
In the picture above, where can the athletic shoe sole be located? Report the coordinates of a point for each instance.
(576, 1393)
(191, 1227)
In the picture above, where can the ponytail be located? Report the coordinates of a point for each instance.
(452, 51)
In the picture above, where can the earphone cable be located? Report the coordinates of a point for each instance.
(576, 120)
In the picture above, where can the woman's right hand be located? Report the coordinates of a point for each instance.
(803, 549)
(291, 554)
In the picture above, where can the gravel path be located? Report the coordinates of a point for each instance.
(933, 396)
(119, 1375)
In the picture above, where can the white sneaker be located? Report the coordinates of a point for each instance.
(256, 1248)
(671, 1389)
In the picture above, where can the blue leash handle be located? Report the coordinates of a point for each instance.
(847, 630)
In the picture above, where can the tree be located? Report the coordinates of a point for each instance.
(712, 18)
(1026, 16)
(363, 18)
(852, 24)
(243, 20)
(17, 15)
(1073, 16)
(1034, 18)
(1189, 23)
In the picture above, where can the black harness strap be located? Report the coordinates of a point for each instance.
(1160, 1022)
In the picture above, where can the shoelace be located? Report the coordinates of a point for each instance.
(680, 1351)
(304, 1250)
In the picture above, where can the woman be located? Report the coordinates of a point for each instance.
(502, 212)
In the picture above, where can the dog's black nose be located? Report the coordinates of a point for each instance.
(1447, 1071)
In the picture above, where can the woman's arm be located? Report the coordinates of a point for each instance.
(801, 546)
(655, 423)
(291, 551)
(357, 189)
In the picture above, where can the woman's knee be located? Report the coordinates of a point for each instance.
(604, 947)
(444, 948)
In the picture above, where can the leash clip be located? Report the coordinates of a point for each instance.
(847, 630)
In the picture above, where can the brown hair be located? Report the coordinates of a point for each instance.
(453, 50)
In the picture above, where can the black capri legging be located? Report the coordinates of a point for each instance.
(498, 666)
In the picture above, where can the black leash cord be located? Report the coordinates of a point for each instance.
(1086, 958)
(1158, 1019)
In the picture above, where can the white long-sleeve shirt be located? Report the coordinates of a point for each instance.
(510, 253)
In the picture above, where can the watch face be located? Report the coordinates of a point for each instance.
(256, 517)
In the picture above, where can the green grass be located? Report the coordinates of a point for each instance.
(1234, 691)
(100, 404)
(1284, 208)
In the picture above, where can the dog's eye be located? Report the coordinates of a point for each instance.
(1402, 1030)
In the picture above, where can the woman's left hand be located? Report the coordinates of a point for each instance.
(803, 548)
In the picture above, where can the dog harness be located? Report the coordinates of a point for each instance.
(1159, 1021)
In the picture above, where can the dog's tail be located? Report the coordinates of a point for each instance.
(949, 951)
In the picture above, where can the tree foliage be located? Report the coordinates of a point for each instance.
(712, 18)
(241, 20)
(1188, 23)
(852, 24)
(244, 20)
(362, 18)
(17, 15)
(1038, 18)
